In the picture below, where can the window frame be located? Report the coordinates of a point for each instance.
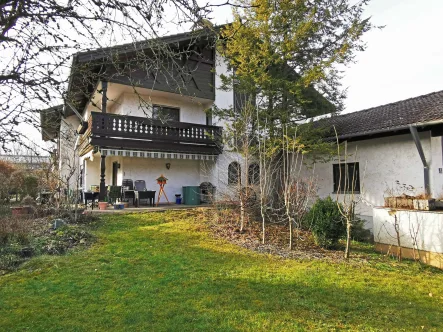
(349, 171)
(154, 106)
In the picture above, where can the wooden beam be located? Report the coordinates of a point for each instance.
(104, 95)
(130, 144)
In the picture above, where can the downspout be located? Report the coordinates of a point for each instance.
(417, 142)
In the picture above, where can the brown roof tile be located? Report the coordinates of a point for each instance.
(389, 117)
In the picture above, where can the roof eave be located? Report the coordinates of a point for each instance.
(393, 131)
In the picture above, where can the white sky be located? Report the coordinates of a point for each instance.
(403, 60)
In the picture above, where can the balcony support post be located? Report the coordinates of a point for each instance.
(102, 194)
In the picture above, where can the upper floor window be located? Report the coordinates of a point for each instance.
(254, 174)
(165, 113)
(234, 173)
(346, 177)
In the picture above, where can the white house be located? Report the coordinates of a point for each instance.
(394, 149)
(137, 111)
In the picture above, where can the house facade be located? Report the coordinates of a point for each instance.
(391, 150)
(139, 121)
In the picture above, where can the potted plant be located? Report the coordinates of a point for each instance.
(26, 207)
(424, 202)
(102, 205)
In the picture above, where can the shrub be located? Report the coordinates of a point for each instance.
(14, 229)
(326, 223)
(28, 200)
(30, 186)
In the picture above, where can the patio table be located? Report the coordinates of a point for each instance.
(145, 194)
(90, 196)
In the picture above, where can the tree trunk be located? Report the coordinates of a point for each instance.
(242, 215)
(290, 234)
(397, 232)
(348, 239)
(263, 229)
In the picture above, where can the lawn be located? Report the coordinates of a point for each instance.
(164, 271)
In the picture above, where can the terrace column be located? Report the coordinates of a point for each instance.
(103, 193)
(102, 179)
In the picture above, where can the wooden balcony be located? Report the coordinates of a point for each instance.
(137, 133)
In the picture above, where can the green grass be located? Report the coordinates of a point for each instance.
(163, 272)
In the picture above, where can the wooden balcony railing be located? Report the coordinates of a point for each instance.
(138, 132)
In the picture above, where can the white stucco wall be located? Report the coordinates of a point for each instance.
(68, 157)
(124, 101)
(382, 162)
(181, 173)
(421, 230)
(138, 105)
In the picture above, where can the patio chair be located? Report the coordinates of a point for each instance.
(115, 193)
(140, 187)
(128, 190)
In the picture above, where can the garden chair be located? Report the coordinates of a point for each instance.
(128, 190)
(143, 193)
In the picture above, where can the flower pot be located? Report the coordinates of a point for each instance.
(424, 204)
(119, 206)
(102, 205)
(20, 210)
(400, 202)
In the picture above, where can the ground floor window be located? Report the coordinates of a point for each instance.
(346, 177)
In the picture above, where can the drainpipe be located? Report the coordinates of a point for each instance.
(414, 133)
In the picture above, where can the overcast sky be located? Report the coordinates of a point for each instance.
(403, 60)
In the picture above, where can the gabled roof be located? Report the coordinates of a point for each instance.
(89, 67)
(146, 44)
(423, 110)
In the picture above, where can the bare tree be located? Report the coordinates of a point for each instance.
(297, 190)
(347, 196)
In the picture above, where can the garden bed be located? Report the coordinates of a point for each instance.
(23, 237)
(277, 241)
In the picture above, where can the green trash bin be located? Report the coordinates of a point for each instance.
(191, 195)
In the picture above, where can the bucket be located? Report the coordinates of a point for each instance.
(178, 200)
